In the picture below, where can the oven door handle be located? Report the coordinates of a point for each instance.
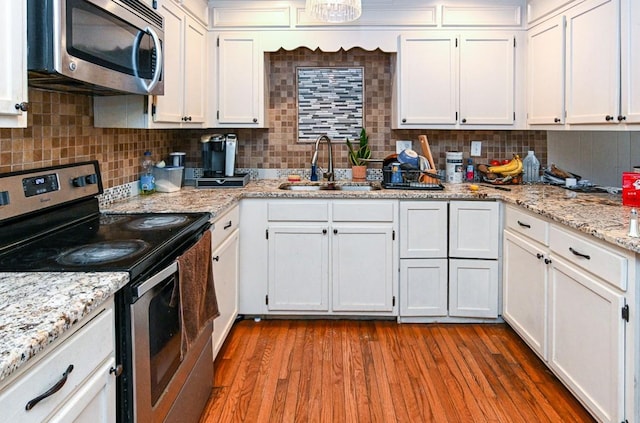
(156, 279)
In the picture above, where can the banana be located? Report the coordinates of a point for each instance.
(509, 167)
(516, 171)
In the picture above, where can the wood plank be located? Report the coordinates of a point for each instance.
(380, 371)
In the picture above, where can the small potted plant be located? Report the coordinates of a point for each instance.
(358, 157)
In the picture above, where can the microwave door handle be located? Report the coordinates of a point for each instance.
(158, 69)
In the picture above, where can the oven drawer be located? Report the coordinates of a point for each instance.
(86, 350)
(224, 226)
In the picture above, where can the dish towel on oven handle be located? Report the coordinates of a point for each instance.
(198, 302)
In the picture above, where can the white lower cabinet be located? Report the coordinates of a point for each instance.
(319, 257)
(525, 289)
(225, 256)
(82, 365)
(298, 268)
(448, 259)
(423, 287)
(587, 339)
(473, 288)
(566, 295)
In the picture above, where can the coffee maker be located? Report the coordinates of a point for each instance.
(218, 162)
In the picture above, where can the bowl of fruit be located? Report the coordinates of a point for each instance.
(507, 172)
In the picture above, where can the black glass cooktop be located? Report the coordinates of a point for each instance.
(105, 242)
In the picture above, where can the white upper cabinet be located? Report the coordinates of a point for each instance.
(446, 80)
(487, 79)
(546, 72)
(630, 43)
(240, 90)
(427, 79)
(593, 62)
(13, 67)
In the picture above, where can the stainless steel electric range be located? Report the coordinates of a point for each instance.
(50, 222)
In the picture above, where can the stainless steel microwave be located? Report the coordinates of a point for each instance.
(95, 46)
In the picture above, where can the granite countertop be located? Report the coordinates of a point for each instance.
(37, 308)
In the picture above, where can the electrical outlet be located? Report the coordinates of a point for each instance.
(403, 145)
(476, 148)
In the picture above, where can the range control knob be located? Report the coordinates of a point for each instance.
(91, 179)
(79, 181)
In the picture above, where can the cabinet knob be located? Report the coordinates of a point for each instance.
(621, 118)
(335, 231)
(215, 258)
(608, 118)
(539, 256)
(116, 371)
(404, 121)
(464, 120)
(324, 231)
(547, 261)
(189, 118)
(557, 120)
(23, 107)
(255, 120)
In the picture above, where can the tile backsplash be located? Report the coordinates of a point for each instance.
(60, 128)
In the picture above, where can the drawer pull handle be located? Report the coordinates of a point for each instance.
(525, 225)
(55, 388)
(579, 254)
(216, 258)
(228, 225)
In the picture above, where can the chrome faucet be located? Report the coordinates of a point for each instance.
(328, 175)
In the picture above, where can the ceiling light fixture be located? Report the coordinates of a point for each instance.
(334, 11)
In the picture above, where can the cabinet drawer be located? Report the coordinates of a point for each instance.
(224, 226)
(363, 211)
(528, 225)
(298, 211)
(603, 262)
(85, 350)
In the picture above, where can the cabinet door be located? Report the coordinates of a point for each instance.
(298, 268)
(473, 288)
(362, 268)
(525, 291)
(13, 67)
(593, 62)
(195, 50)
(225, 275)
(487, 80)
(427, 79)
(630, 61)
(423, 229)
(423, 287)
(546, 72)
(240, 80)
(169, 107)
(587, 339)
(474, 229)
(95, 401)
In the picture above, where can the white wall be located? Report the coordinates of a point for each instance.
(599, 156)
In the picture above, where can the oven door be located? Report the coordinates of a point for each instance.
(156, 337)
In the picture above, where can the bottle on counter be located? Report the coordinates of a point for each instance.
(633, 223)
(470, 173)
(147, 180)
(531, 167)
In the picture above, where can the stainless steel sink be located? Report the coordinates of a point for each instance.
(331, 186)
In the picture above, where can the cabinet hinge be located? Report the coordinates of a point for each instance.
(625, 312)
(456, 42)
(456, 116)
(266, 233)
(218, 42)
(393, 301)
(393, 235)
(514, 116)
(153, 110)
(155, 4)
(266, 299)
(218, 115)
(514, 42)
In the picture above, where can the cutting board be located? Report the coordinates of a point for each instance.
(426, 152)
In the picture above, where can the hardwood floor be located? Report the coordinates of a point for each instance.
(381, 371)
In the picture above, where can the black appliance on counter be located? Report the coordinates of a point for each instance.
(218, 162)
(50, 222)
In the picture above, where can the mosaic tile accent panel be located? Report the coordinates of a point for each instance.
(329, 101)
